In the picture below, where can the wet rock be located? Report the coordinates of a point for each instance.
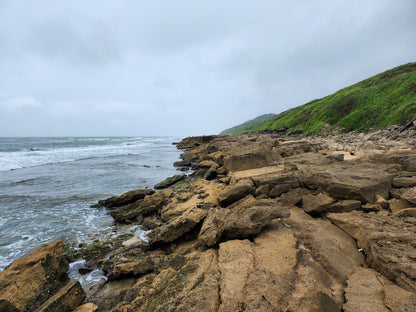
(29, 281)
(66, 299)
(316, 204)
(278, 190)
(170, 181)
(125, 199)
(148, 205)
(235, 192)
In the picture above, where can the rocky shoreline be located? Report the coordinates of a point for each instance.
(265, 222)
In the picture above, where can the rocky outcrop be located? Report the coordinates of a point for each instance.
(37, 281)
(125, 199)
(267, 223)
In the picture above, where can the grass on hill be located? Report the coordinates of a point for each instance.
(248, 124)
(380, 101)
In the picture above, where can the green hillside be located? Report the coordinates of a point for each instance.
(382, 100)
(249, 124)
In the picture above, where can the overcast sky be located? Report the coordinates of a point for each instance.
(112, 68)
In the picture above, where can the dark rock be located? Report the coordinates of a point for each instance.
(262, 190)
(235, 192)
(177, 227)
(278, 190)
(66, 299)
(344, 206)
(170, 181)
(404, 181)
(126, 198)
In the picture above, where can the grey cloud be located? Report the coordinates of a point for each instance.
(185, 67)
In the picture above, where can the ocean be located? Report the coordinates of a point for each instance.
(47, 185)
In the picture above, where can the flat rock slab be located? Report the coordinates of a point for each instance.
(369, 291)
(388, 242)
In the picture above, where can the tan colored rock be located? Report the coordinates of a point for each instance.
(213, 226)
(344, 206)
(177, 227)
(134, 268)
(406, 212)
(242, 222)
(351, 181)
(66, 299)
(278, 190)
(387, 241)
(369, 291)
(316, 205)
(29, 281)
(404, 181)
(379, 200)
(336, 250)
(235, 192)
(88, 307)
(397, 204)
(246, 161)
(364, 292)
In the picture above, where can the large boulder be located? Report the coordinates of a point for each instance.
(243, 222)
(177, 227)
(29, 281)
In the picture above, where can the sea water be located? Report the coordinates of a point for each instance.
(47, 185)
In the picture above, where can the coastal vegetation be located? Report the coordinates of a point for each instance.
(377, 102)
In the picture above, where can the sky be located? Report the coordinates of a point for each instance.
(181, 68)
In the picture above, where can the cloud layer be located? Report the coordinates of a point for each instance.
(185, 67)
